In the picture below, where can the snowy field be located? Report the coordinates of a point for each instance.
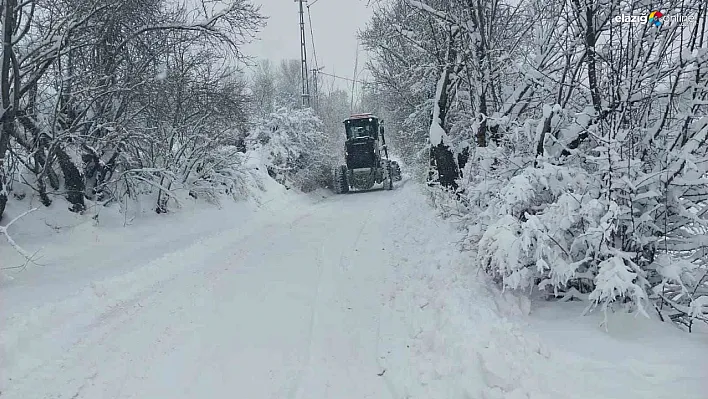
(309, 297)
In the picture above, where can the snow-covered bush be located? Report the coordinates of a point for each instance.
(602, 226)
(580, 147)
(225, 173)
(295, 148)
(138, 100)
(579, 245)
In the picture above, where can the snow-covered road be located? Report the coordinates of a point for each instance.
(288, 306)
(354, 296)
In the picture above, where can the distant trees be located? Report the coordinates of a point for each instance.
(105, 99)
(263, 88)
(582, 142)
(299, 145)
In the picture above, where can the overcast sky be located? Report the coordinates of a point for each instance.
(335, 24)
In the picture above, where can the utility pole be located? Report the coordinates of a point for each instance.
(303, 58)
(356, 66)
(316, 87)
(315, 102)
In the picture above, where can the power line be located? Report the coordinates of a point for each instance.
(312, 34)
(317, 70)
(343, 78)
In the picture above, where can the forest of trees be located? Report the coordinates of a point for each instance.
(103, 100)
(573, 147)
(109, 101)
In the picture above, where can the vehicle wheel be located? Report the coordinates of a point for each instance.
(387, 178)
(341, 184)
(396, 171)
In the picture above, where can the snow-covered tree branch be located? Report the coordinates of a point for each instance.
(581, 141)
(90, 89)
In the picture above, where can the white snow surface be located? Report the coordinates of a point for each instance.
(363, 295)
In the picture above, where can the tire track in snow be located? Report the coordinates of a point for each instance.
(163, 343)
(387, 379)
(391, 243)
(343, 361)
(109, 306)
(356, 241)
(296, 390)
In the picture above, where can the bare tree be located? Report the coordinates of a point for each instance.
(576, 111)
(74, 70)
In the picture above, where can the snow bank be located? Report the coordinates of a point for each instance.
(71, 250)
(468, 340)
(88, 276)
(364, 293)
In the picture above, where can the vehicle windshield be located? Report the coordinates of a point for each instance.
(361, 128)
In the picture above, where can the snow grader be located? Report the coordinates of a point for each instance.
(366, 156)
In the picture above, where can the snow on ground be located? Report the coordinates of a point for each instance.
(72, 250)
(660, 354)
(354, 296)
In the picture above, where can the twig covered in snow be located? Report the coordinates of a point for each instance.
(583, 161)
(11, 241)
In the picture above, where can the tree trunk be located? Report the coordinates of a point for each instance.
(73, 181)
(4, 141)
(444, 163)
(590, 61)
(462, 159)
(441, 157)
(478, 15)
(8, 109)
